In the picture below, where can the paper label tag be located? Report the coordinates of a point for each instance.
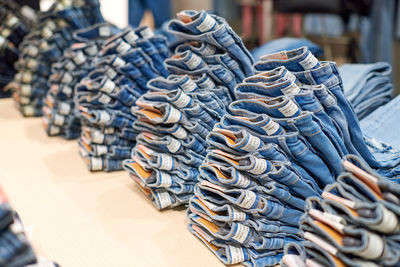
(67, 90)
(64, 108)
(289, 76)
(242, 181)
(182, 101)
(47, 33)
(241, 233)
(147, 33)
(104, 117)
(291, 89)
(91, 50)
(26, 77)
(69, 65)
(67, 78)
(26, 89)
(97, 137)
(58, 119)
(237, 255)
(193, 62)
(2, 40)
(180, 133)
(271, 127)
(104, 31)
(188, 86)
(101, 150)
(32, 51)
(6, 32)
(54, 130)
(164, 199)
(123, 47)
(260, 165)
(104, 99)
(248, 200)
(24, 100)
(375, 247)
(238, 215)
(110, 73)
(389, 222)
(12, 21)
(207, 84)
(131, 37)
(252, 143)
(118, 62)
(97, 164)
(108, 86)
(207, 24)
(165, 179)
(174, 115)
(174, 145)
(166, 162)
(309, 62)
(208, 50)
(289, 109)
(79, 58)
(32, 64)
(29, 110)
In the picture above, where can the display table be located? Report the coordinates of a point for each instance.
(79, 218)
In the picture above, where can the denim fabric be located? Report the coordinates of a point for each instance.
(366, 86)
(77, 62)
(105, 99)
(310, 71)
(45, 45)
(14, 27)
(180, 110)
(200, 26)
(356, 223)
(286, 43)
(379, 123)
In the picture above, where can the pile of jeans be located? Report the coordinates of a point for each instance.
(177, 114)
(60, 116)
(105, 96)
(381, 124)
(367, 86)
(14, 26)
(281, 142)
(15, 247)
(356, 223)
(44, 45)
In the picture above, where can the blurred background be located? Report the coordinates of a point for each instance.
(345, 31)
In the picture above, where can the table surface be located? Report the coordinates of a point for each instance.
(79, 218)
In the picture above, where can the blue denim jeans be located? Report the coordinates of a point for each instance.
(200, 26)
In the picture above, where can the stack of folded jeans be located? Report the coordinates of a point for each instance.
(367, 86)
(177, 114)
(281, 142)
(356, 224)
(44, 45)
(173, 122)
(105, 96)
(225, 58)
(379, 125)
(60, 116)
(14, 26)
(15, 248)
(308, 70)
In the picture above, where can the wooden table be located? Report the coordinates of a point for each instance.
(86, 219)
